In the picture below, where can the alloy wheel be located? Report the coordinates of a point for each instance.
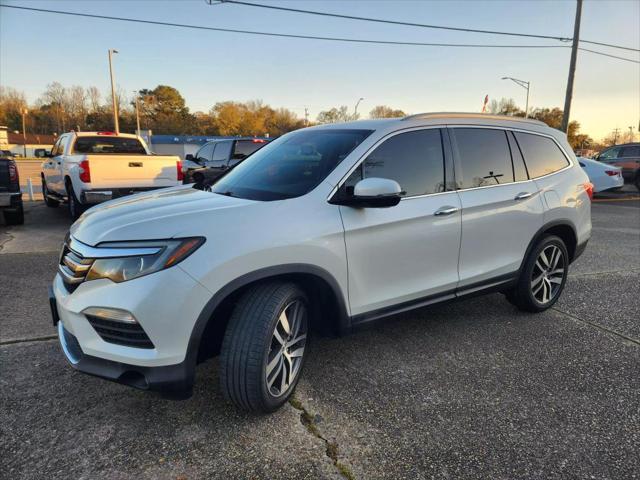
(287, 348)
(548, 274)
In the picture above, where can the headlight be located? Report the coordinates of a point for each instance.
(128, 267)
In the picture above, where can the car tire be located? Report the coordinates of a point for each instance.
(543, 276)
(16, 217)
(263, 349)
(75, 207)
(49, 202)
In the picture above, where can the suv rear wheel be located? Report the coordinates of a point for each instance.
(263, 350)
(543, 276)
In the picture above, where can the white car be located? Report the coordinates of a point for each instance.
(85, 168)
(604, 177)
(325, 229)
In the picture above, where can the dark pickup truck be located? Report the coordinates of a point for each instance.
(10, 196)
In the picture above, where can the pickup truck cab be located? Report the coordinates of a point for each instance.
(85, 168)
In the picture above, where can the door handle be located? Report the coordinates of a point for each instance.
(523, 195)
(445, 211)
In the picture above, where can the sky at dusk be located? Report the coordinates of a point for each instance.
(209, 67)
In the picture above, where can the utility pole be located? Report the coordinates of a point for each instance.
(137, 113)
(526, 85)
(306, 117)
(630, 134)
(113, 93)
(616, 132)
(24, 130)
(572, 67)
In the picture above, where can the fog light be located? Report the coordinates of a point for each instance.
(114, 314)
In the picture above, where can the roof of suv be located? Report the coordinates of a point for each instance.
(440, 118)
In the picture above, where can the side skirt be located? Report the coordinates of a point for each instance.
(496, 284)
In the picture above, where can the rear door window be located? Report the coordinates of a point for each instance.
(541, 154)
(630, 151)
(222, 151)
(484, 157)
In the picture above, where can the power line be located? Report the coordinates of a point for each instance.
(421, 25)
(275, 34)
(608, 55)
(305, 37)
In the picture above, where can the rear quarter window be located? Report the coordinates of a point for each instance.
(541, 154)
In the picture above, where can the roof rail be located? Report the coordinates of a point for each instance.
(426, 116)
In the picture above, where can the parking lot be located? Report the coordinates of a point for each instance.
(474, 389)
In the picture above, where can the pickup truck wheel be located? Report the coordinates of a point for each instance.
(543, 276)
(14, 218)
(75, 207)
(49, 202)
(263, 350)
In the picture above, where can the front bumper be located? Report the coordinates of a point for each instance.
(166, 305)
(172, 380)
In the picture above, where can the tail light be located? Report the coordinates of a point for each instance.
(612, 173)
(13, 172)
(259, 140)
(85, 173)
(588, 187)
(180, 173)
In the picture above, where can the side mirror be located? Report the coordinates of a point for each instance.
(374, 193)
(190, 157)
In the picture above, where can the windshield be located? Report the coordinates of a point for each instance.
(108, 145)
(290, 166)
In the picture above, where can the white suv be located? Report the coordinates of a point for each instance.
(325, 229)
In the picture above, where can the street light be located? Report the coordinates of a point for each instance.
(523, 84)
(355, 110)
(113, 93)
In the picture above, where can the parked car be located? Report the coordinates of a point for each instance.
(7, 154)
(86, 168)
(215, 158)
(627, 157)
(324, 229)
(10, 196)
(604, 177)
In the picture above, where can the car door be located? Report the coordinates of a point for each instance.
(629, 160)
(49, 167)
(56, 182)
(502, 208)
(406, 254)
(220, 159)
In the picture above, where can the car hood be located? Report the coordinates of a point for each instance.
(165, 213)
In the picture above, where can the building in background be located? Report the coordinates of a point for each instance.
(36, 143)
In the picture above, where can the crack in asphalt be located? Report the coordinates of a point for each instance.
(7, 240)
(13, 341)
(331, 451)
(626, 339)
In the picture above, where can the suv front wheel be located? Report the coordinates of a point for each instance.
(543, 276)
(263, 350)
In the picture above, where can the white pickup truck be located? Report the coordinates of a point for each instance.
(85, 168)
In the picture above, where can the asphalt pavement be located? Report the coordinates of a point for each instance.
(473, 389)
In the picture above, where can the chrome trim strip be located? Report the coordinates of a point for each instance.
(69, 277)
(88, 251)
(75, 267)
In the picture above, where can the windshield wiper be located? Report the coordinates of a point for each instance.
(228, 193)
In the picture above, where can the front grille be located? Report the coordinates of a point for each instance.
(127, 334)
(73, 268)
